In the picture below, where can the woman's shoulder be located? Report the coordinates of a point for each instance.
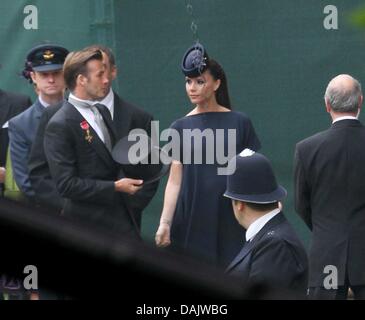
(240, 116)
(192, 118)
(178, 123)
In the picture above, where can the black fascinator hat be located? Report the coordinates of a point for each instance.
(195, 61)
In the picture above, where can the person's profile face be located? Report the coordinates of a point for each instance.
(97, 82)
(201, 89)
(110, 70)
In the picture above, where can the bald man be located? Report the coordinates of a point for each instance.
(330, 195)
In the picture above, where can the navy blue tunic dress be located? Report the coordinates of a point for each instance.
(204, 224)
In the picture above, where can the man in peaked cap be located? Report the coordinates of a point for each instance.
(46, 61)
(272, 256)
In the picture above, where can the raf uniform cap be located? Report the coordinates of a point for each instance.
(195, 61)
(253, 179)
(47, 57)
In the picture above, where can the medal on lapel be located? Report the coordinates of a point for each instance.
(85, 126)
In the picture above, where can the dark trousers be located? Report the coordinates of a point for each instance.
(341, 293)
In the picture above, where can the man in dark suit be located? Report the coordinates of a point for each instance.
(46, 61)
(273, 256)
(330, 195)
(10, 105)
(125, 117)
(40, 177)
(78, 142)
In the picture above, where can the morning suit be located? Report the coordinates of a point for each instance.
(22, 131)
(10, 105)
(275, 258)
(126, 118)
(39, 174)
(330, 197)
(84, 171)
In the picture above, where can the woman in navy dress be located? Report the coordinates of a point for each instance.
(196, 217)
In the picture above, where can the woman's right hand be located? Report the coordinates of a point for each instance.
(162, 237)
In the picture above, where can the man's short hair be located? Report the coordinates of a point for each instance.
(109, 53)
(262, 207)
(342, 99)
(75, 64)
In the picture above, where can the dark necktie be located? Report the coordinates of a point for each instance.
(104, 111)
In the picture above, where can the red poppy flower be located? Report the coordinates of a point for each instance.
(84, 125)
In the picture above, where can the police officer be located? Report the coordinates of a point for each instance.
(272, 256)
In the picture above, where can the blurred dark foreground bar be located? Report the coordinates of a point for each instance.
(82, 262)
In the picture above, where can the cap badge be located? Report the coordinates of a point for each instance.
(48, 54)
(247, 153)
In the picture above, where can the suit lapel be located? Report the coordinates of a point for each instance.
(243, 253)
(279, 218)
(96, 143)
(38, 109)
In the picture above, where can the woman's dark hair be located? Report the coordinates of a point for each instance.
(221, 94)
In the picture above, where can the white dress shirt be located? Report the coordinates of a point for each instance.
(89, 116)
(43, 103)
(345, 118)
(108, 101)
(258, 224)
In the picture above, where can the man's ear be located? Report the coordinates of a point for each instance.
(81, 80)
(114, 72)
(328, 106)
(33, 76)
(240, 205)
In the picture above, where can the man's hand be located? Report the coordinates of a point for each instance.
(280, 205)
(130, 186)
(2, 174)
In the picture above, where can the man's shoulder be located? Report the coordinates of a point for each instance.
(279, 230)
(14, 97)
(59, 113)
(279, 239)
(52, 109)
(313, 140)
(129, 107)
(24, 116)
